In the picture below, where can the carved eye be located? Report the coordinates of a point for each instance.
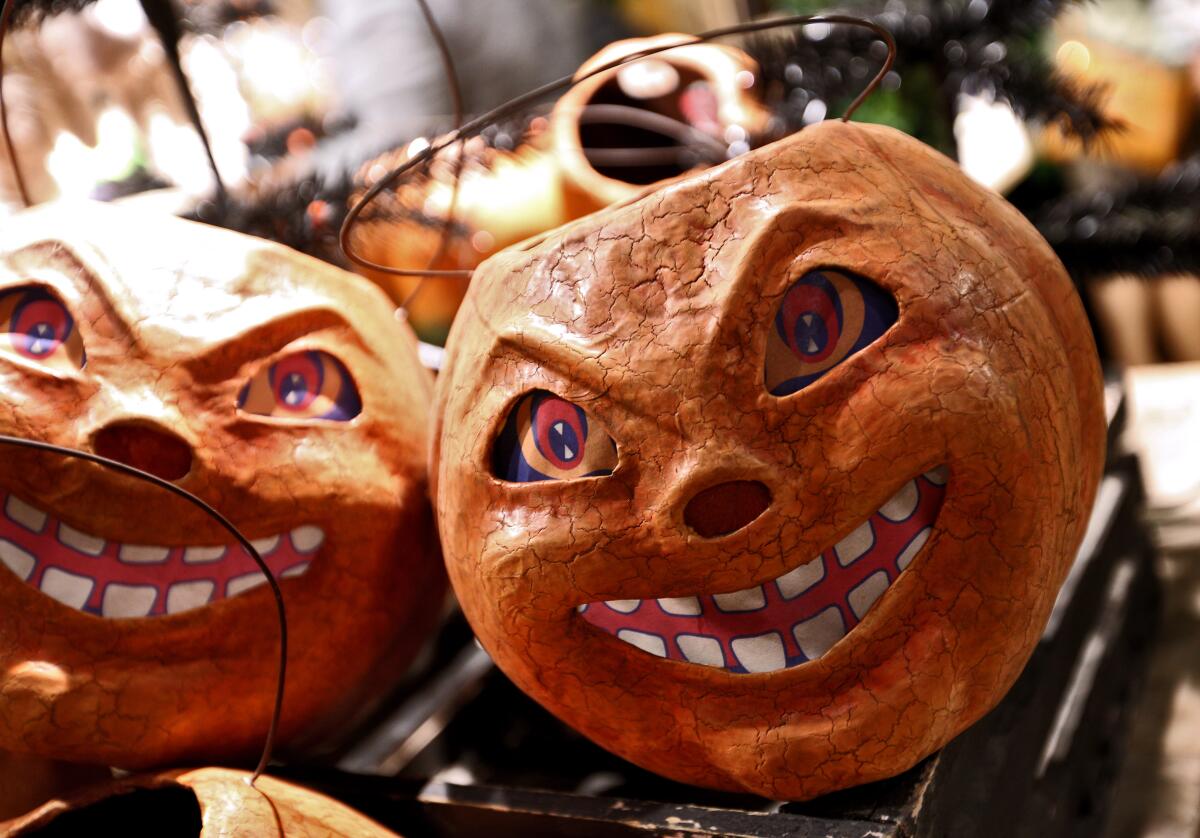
(305, 385)
(825, 317)
(549, 438)
(38, 327)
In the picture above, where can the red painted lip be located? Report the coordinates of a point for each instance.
(115, 580)
(792, 619)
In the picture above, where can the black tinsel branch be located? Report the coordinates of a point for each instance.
(972, 46)
(32, 12)
(1144, 227)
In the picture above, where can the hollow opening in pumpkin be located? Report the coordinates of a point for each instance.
(634, 145)
(169, 812)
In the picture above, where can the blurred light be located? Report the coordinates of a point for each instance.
(744, 79)
(1074, 57)
(76, 168)
(994, 147)
(648, 78)
(814, 111)
(123, 18)
(818, 31)
(414, 148)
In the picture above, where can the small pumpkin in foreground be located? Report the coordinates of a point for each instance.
(202, 803)
(282, 391)
(767, 481)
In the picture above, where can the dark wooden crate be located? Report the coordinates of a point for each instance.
(463, 752)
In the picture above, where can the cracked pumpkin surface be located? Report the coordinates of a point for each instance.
(729, 487)
(280, 390)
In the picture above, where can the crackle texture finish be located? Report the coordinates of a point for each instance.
(955, 456)
(133, 630)
(229, 807)
(503, 197)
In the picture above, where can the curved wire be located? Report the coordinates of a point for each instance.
(476, 125)
(115, 465)
(6, 8)
(439, 40)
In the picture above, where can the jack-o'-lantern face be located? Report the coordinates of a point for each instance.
(767, 480)
(278, 389)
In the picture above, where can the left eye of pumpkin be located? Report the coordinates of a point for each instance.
(550, 438)
(825, 317)
(304, 385)
(38, 327)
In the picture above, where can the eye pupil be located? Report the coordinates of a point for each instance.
(295, 389)
(40, 339)
(811, 333)
(564, 441)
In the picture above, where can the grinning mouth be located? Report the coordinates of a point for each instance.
(111, 579)
(796, 617)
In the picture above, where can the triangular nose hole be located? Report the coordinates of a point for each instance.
(726, 507)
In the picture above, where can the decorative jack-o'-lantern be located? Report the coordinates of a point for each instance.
(767, 480)
(280, 390)
(641, 122)
(207, 802)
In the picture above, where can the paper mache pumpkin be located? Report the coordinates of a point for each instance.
(767, 480)
(203, 803)
(277, 388)
(506, 196)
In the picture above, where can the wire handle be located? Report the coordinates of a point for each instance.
(475, 126)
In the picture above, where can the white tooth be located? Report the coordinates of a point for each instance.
(17, 560)
(244, 583)
(568, 454)
(913, 548)
(81, 542)
(750, 599)
(816, 635)
(295, 570)
(798, 580)
(582, 608)
(144, 554)
(938, 476)
(202, 555)
(761, 653)
(307, 538)
(854, 546)
(902, 504)
(127, 600)
(700, 649)
(651, 643)
(67, 588)
(265, 545)
(625, 606)
(27, 516)
(184, 596)
(863, 597)
(681, 606)
(812, 346)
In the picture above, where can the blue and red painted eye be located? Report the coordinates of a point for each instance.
(38, 327)
(824, 318)
(303, 385)
(550, 438)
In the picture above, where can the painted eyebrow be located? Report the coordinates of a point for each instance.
(219, 362)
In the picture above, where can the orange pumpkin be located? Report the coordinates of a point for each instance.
(207, 802)
(503, 197)
(767, 480)
(277, 388)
